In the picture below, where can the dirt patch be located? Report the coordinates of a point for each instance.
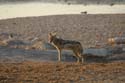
(54, 72)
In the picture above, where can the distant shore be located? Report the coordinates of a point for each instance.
(68, 1)
(13, 10)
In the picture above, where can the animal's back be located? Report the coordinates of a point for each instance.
(72, 45)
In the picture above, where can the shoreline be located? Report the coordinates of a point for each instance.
(11, 18)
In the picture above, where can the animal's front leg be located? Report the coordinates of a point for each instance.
(59, 55)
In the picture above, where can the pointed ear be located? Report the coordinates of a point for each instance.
(54, 33)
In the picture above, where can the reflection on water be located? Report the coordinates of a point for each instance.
(40, 9)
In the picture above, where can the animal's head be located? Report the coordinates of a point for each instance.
(51, 37)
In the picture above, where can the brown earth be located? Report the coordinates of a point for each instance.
(53, 72)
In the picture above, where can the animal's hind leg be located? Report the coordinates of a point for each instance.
(77, 57)
(81, 57)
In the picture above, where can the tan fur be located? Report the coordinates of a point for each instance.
(60, 44)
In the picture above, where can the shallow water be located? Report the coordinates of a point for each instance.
(40, 9)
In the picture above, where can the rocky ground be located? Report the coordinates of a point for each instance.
(88, 29)
(23, 60)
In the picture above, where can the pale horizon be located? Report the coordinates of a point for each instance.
(45, 9)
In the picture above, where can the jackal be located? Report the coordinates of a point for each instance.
(60, 44)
